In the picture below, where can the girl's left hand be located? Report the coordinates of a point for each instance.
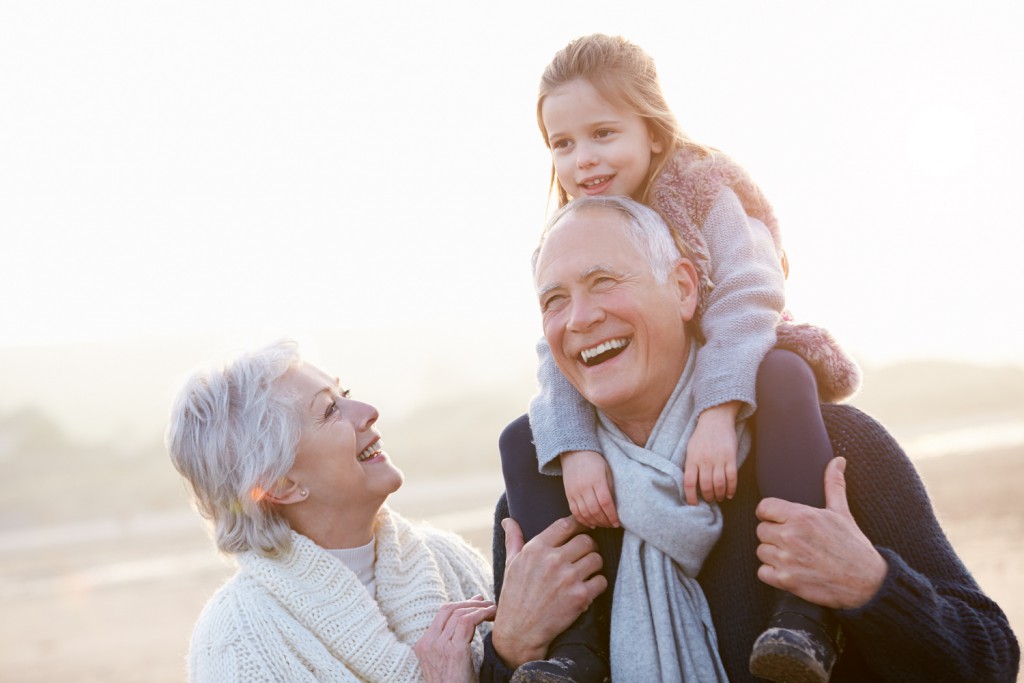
(444, 651)
(711, 455)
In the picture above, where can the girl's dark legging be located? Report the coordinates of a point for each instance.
(792, 447)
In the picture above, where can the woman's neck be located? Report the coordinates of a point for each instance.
(334, 529)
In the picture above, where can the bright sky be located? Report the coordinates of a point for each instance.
(239, 167)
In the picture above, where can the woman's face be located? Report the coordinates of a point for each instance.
(339, 460)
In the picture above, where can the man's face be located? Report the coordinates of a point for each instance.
(616, 333)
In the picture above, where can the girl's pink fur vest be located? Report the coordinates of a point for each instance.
(683, 193)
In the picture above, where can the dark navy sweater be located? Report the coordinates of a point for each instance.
(929, 621)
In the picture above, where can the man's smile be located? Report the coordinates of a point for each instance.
(606, 350)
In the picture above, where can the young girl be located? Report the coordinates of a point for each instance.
(603, 116)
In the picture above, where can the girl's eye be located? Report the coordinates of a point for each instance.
(602, 133)
(560, 144)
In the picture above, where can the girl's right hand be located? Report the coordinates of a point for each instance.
(443, 651)
(588, 488)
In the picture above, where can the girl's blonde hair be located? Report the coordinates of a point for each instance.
(624, 75)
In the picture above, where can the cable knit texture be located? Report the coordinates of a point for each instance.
(929, 622)
(304, 616)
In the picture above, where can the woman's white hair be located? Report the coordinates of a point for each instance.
(232, 436)
(646, 230)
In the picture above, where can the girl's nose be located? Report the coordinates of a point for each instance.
(585, 156)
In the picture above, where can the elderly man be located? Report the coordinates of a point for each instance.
(875, 555)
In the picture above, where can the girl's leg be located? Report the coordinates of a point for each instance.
(803, 640)
(792, 445)
(535, 500)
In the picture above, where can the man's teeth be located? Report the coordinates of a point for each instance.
(369, 451)
(588, 354)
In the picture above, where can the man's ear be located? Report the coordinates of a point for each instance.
(684, 276)
(286, 492)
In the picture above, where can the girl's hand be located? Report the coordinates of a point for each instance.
(443, 650)
(711, 455)
(588, 487)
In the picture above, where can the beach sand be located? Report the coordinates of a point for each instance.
(120, 608)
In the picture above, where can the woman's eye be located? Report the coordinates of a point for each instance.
(332, 408)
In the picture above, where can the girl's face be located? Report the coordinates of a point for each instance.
(597, 148)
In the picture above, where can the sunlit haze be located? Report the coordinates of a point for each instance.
(238, 171)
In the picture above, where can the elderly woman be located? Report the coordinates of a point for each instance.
(331, 584)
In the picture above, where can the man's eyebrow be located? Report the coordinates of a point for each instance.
(595, 269)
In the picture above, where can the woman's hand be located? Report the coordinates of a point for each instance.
(588, 488)
(443, 650)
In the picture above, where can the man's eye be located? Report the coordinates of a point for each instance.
(552, 302)
(332, 408)
(346, 393)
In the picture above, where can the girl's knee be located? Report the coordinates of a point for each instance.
(516, 445)
(785, 374)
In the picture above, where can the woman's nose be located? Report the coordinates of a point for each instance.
(366, 415)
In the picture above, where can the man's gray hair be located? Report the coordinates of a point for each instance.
(646, 230)
(232, 436)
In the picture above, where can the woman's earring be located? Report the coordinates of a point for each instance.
(305, 493)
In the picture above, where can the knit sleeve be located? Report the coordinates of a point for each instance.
(560, 418)
(930, 621)
(743, 308)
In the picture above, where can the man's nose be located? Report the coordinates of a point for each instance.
(583, 313)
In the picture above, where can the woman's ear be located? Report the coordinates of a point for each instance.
(685, 277)
(287, 492)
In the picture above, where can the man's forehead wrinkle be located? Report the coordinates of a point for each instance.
(599, 268)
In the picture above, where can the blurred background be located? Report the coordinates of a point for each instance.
(182, 180)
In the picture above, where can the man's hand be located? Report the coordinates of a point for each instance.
(588, 488)
(711, 455)
(548, 583)
(820, 555)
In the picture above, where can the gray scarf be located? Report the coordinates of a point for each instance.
(657, 601)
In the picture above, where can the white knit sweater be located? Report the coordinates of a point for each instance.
(304, 616)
